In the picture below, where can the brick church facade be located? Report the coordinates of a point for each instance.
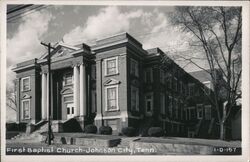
(117, 83)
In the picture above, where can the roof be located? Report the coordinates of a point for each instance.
(201, 75)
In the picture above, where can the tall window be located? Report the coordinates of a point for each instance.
(162, 76)
(181, 87)
(199, 111)
(25, 82)
(68, 79)
(175, 107)
(149, 102)
(111, 66)
(208, 112)
(134, 98)
(191, 89)
(148, 75)
(112, 98)
(134, 67)
(162, 101)
(26, 109)
(175, 84)
(170, 106)
(169, 81)
(190, 113)
(207, 87)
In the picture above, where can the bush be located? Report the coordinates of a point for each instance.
(129, 131)
(155, 132)
(90, 129)
(107, 130)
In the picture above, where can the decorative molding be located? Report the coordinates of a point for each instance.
(26, 96)
(111, 82)
(67, 91)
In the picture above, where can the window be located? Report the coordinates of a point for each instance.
(148, 75)
(25, 84)
(134, 67)
(190, 113)
(26, 109)
(169, 81)
(162, 102)
(93, 72)
(199, 111)
(112, 98)
(170, 106)
(68, 79)
(208, 112)
(191, 89)
(181, 87)
(93, 100)
(207, 87)
(134, 98)
(175, 106)
(175, 84)
(68, 98)
(111, 66)
(181, 109)
(149, 103)
(162, 76)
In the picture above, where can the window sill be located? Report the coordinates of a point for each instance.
(26, 90)
(108, 75)
(112, 110)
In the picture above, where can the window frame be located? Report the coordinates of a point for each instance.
(162, 76)
(64, 79)
(191, 86)
(106, 98)
(136, 64)
(22, 112)
(199, 108)
(210, 109)
(170, 106)
(106, 66)
(206, 88)
(137, 98)
(150, 70)
(22, 84)
(163, 103)
(175, 84)
(151, 103)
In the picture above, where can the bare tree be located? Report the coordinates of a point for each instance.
(216, 31)
(11, 97)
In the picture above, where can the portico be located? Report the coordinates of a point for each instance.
(68, 88)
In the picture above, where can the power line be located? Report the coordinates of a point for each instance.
(25, 13)
(18, 8)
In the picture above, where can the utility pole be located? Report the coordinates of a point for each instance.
(50, 133)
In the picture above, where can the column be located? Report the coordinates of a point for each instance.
(47, 97)
(44, 95)
(82, 90)
(76, 90)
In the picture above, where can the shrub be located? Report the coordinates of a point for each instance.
(129, 131)
(155, 132)
(107, 130)
(90, 129)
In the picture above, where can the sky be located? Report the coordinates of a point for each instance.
(84, 24)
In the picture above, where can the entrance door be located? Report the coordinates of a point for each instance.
(70, 110)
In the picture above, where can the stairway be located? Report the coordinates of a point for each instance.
(35, 136)
(125, 142)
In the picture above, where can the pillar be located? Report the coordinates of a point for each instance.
(82, 90)
(44, 96)
(76, 90)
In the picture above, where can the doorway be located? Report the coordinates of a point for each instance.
(70, 110)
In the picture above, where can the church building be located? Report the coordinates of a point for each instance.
(114, 82)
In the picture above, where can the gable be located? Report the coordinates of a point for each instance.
(61, 50)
